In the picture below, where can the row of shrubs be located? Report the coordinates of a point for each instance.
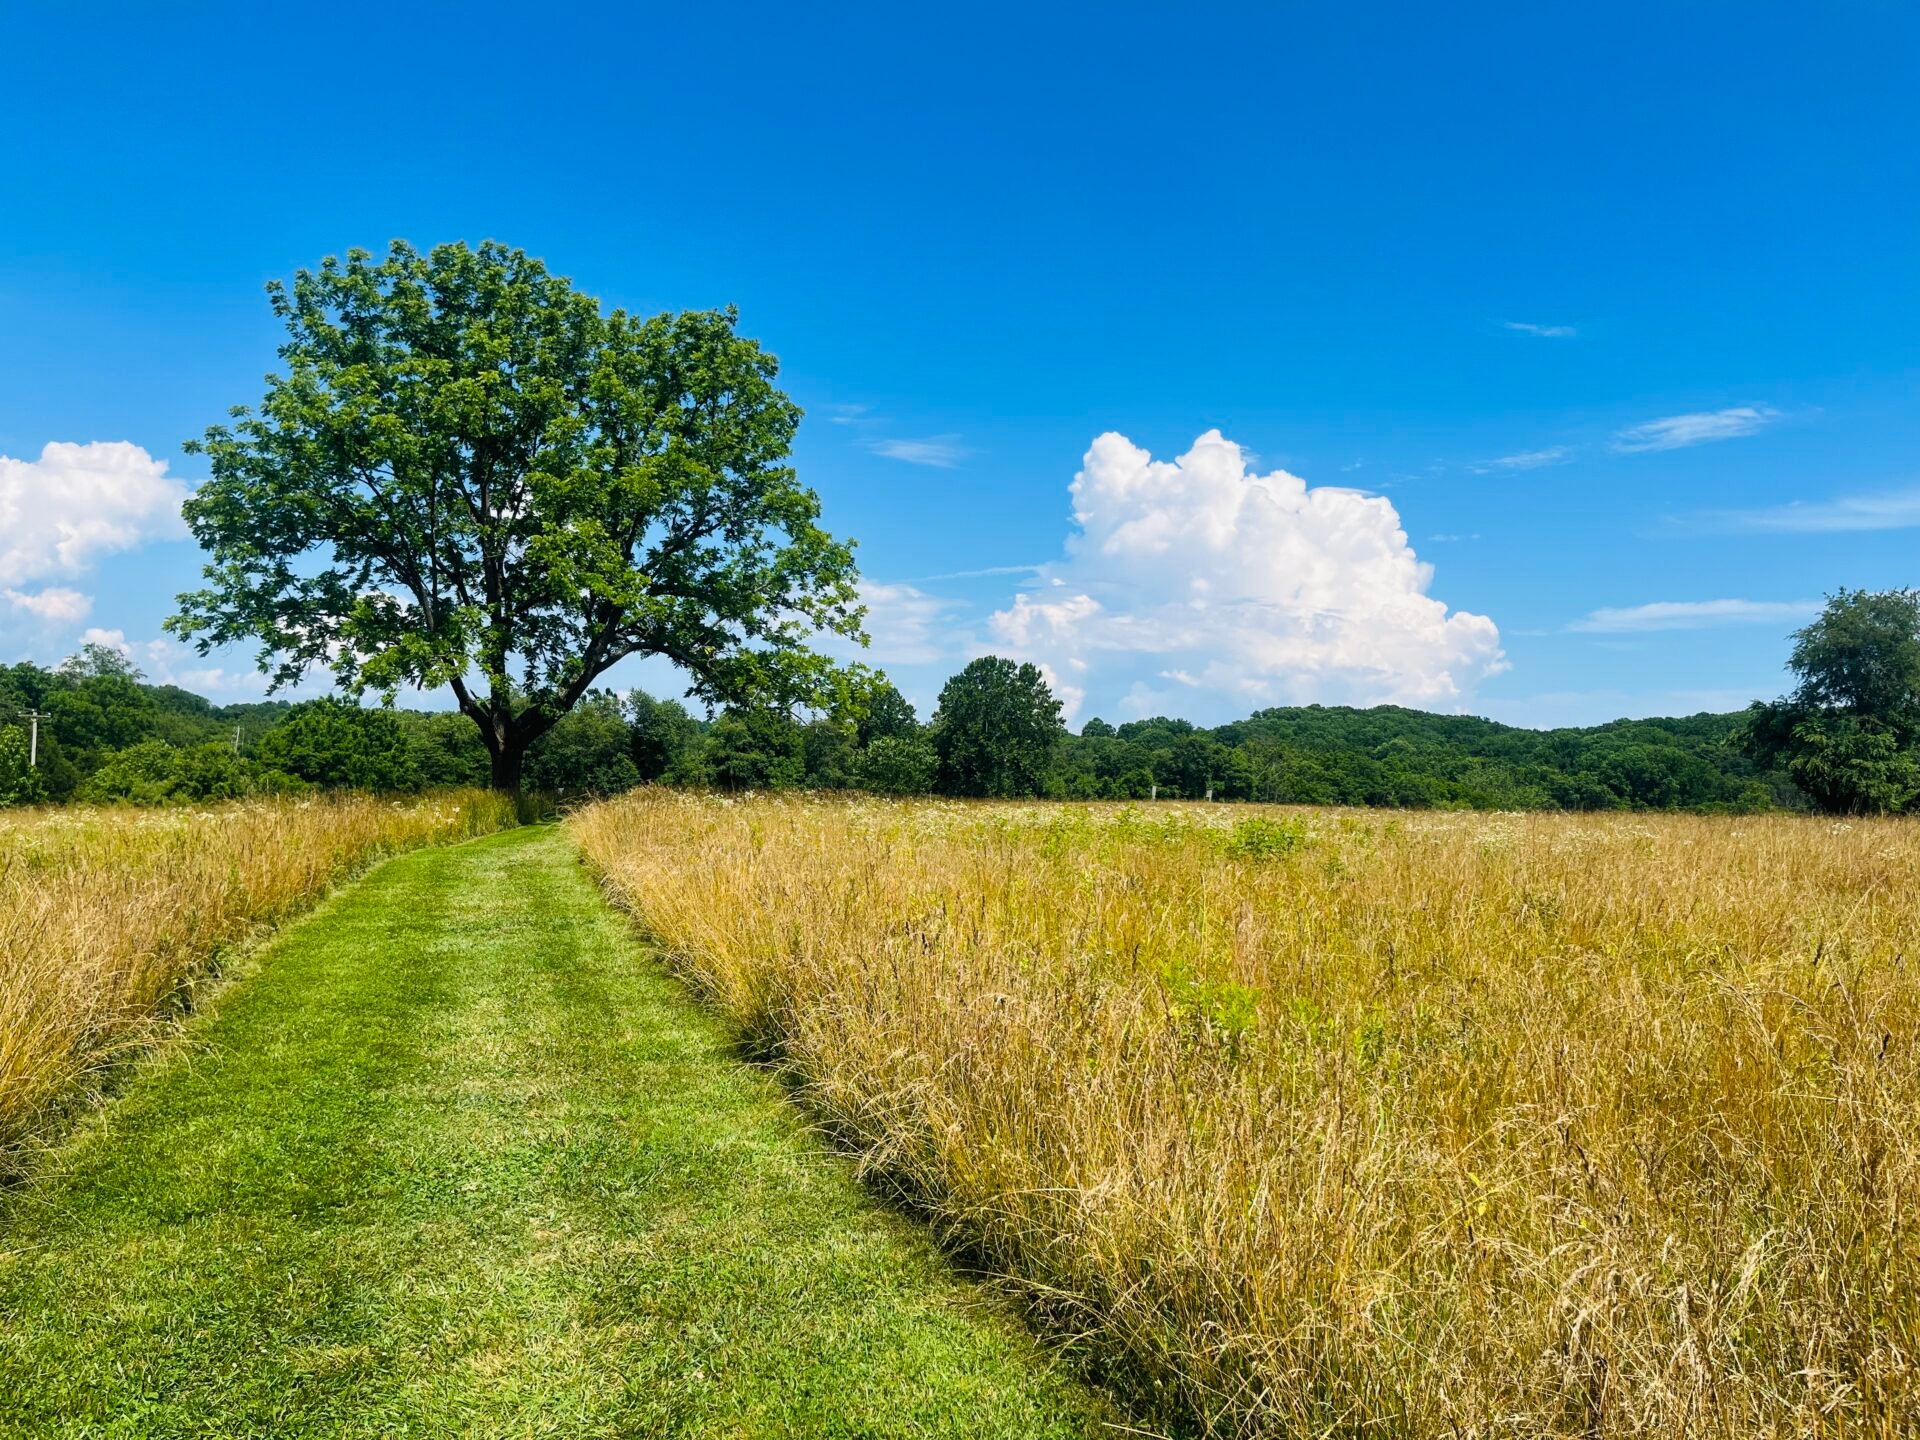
(606, 746)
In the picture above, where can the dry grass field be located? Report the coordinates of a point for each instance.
(106, 915)
(1311, 1123)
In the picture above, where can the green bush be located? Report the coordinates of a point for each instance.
(1264, 839)
(336, 746)
(19, 784)
(589, 752)
(156, 773)
(898, 765)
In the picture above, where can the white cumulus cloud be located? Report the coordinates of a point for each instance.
(76, 503)
(1255, 588)
(56, 603)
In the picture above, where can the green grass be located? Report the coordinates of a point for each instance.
(457, 1157)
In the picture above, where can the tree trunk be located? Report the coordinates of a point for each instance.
(506, 765)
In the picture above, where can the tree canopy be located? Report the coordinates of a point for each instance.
(1848, 733)
(996, 729)
(468, 474)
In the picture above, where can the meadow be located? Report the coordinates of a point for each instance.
(1318, 1122)
(109, 915)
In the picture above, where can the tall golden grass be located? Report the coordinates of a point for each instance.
(1314, 1123)
(106, 915)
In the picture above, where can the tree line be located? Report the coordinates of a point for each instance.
(995, 732)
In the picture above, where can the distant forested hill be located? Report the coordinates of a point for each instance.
(1388, 755)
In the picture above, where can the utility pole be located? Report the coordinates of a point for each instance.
(34, 717)
(236, 739)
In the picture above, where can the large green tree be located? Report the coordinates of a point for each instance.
(996, 729)
(468, 474)
(98, 704)
(898, 765)
(1847, 735)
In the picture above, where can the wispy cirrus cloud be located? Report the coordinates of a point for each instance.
(1592, 707)
(1694, 615)
(1888, 510)
(846, 414)
(1529, 459)
(905, 625)
(1676, 432)
(1545, 332)
(943, 452)
(980, 574)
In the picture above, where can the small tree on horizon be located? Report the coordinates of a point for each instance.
(995, 730)
(883, 713)
(1847, 735)
(664, 739)
(469, 475)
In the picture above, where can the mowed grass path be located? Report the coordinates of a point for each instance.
(459, 1158)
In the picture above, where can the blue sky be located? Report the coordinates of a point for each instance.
(1601, 310)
